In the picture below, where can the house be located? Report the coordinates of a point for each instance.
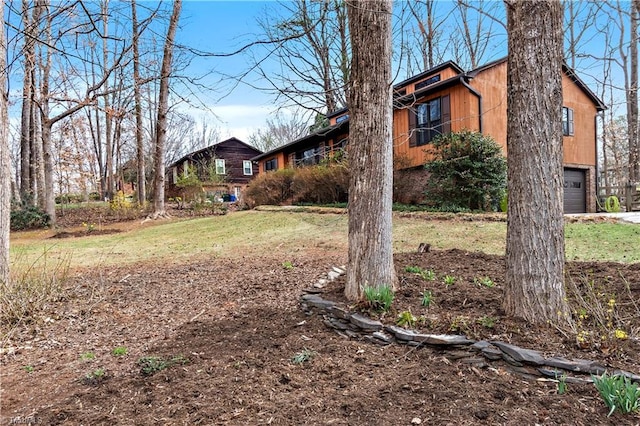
(224, 169)
(446, 98)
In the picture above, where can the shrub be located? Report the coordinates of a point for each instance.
(271, 188)
(321, 184)
(25, 215)
(468, 171)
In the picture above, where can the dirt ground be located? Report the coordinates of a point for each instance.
(229, 330)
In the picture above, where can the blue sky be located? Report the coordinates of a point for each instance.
(222, 27)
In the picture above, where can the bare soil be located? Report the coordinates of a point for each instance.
(230, 328)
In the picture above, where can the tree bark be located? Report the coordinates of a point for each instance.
(141, 181)
(163, 108)
(535, 225)
(370, 148)
(632, 97)
(5, 169)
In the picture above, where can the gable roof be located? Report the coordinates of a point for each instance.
(213, 147)
(321, 134)
(600, 106)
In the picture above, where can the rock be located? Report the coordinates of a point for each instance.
(365, 323)
(401, 333)
(557, 374)
(372, 339)
(321, 283)
(520, 354)
(383, 336)
(317, 301)
(492, 353)
(479, 346)
(577, 365)
(337, 324)
(416, 421)
(338, 270)
(339, 312)
(442, 339)
(332, 275)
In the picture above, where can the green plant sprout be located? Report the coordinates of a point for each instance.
(288, 265)
(449, 280)
(406, 319)
(427, 275)
(379, 298)
(303, 356)
(427, 298)
(619, 393)
(88, 356)
(562, 384)
(119, 351)
(484, 282)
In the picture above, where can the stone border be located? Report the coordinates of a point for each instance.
(526, 362)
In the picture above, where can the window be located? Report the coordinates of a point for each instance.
(309, 157)
(567, 121)
(247, 167)
(427, 82)
(271, 164)
(220, 170)
(428, 121)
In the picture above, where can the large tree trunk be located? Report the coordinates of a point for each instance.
(535, 225)
(5, 169)
(141, 187)
(163, 108)
(370, 148)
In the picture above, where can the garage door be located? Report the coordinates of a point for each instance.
(574, 191)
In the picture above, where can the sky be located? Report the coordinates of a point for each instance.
(222, 27)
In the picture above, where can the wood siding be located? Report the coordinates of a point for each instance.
(579, 149)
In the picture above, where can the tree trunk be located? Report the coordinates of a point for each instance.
(5, 169)
(632, 97)
(370, 148)
(141, 186)
(535, 224)
(163, 107)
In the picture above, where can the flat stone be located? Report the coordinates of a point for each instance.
(337, 324)
(321, 283)
(577, 365)
(492, 353)
(317, 301)
(383, 336)
(338, 270)
(557, 374)
(365, 323)
(373, 340)
(482, 344)
(630, 376)
(519, 354)
(442, 339)
(332, 275)
(401, 333)
(511, 360)
(339, 312)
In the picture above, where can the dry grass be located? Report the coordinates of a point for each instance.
(250, 233)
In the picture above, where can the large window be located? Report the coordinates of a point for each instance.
(271, 164)
(567, 121)
(309, 157)
(428, 121)
(247, 167)
(220, 169)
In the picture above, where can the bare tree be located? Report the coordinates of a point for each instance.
(312, 47)
(633, 118)
(280, 130)
(140, 152)
(5, 168)
(163, 107)
(370, 148)
(535, 225)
